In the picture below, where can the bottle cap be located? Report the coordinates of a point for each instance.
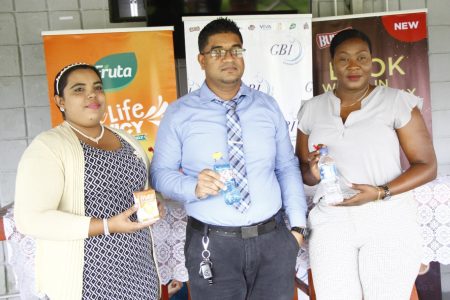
(217, 155)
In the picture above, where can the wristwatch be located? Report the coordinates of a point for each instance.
(302, 230)
(387, 192)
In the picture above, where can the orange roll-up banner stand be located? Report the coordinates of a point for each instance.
(138, 72)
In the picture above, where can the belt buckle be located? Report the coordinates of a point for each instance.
(249, 231)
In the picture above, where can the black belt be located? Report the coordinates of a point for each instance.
(244, 232)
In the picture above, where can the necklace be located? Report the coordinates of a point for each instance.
(95, 140)
(362, 97)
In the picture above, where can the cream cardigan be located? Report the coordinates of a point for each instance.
(49, 206)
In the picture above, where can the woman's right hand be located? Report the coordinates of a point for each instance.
(121, 223)
(308, 160)
(313, 159)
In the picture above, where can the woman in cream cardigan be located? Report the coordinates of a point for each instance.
(74, 194)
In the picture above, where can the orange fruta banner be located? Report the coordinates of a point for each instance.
(137, 68)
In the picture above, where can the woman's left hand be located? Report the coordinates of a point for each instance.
(367, 193)
(161, 208)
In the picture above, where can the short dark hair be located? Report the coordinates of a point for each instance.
(60, 81)
(220, 25)
(348, 34)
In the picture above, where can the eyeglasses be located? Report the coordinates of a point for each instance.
(221, 53)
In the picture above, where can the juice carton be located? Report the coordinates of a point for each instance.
(148, 206)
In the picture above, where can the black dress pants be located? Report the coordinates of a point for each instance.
(257, 268)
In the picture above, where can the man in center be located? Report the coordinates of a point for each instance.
(237, 246)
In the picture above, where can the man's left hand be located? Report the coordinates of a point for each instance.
(299, 237)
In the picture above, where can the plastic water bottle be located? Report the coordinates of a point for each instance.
(329, 178)
(230, 192)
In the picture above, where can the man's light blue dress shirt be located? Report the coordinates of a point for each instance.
(194, 127)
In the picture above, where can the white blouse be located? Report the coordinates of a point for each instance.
(366, 147)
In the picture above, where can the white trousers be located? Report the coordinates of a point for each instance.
(369, 252)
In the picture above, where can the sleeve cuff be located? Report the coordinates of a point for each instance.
(190, 185)
(297, 219)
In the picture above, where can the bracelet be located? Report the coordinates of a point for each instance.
(379, 194)
(105, 227)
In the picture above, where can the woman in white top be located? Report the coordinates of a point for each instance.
(368, 246)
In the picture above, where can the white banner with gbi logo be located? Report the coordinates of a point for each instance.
(278, 58)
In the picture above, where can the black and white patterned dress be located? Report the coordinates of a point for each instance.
(119, 266)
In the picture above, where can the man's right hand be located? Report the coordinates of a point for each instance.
(208, 184)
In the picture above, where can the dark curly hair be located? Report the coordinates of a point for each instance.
(348, 34)
(220, 25)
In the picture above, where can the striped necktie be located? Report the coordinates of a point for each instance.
(236, 153)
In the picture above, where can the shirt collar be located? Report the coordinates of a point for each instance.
(206, 95)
